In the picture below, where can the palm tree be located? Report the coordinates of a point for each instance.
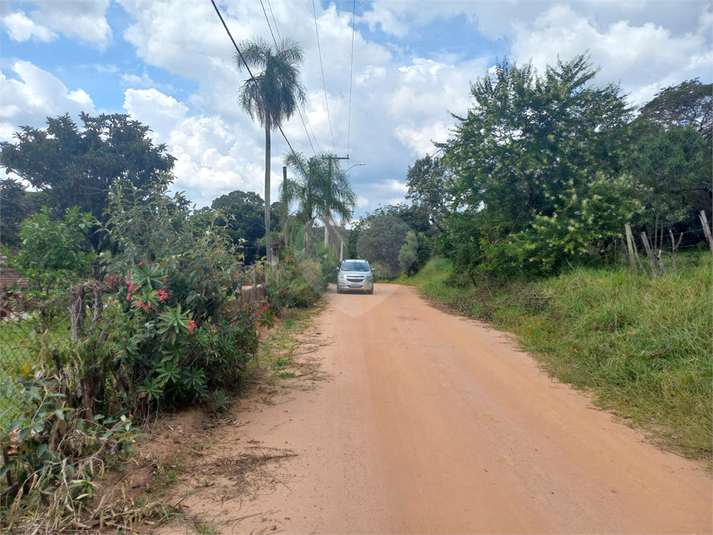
(271, 95)
(318, 192)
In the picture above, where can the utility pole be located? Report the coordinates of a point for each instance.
(330, 159)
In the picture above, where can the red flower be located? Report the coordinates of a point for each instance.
(191, 326)
(131, 415)
(141, 263)
(143, 394)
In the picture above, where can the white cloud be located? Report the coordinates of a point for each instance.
(36, 95)
(497, 19)
(362, 202)
(81, 19)
(643, 58)
(211, 159)
(21, 28)
(421, 140)
(155, 109)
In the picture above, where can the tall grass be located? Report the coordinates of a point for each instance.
(642, 346)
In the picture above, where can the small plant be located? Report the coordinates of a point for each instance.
(219, 402)
(52, 455)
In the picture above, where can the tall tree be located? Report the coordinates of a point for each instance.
(16, 204)
(245, 212)
(430, 185)
(317, 192)
(688, 104)
(532, 158)
(76, 167)
(670, 159)
(270, 96)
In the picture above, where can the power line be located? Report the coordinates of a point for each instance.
(268, 22)
(324, 83)
(302, 118)
(274, 20)
(351, 80)
(252, 77)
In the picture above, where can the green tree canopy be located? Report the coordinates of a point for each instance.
(670, 159)
(688, 104)
(320, 190)
(534, 149)
(430, 184)
(77, 166)
(16, 204)
(393, 237)
(53, 252)
(244, 211)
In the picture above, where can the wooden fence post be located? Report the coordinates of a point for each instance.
(650, 254)
(674, 246)
(706, 229)
(630, 246)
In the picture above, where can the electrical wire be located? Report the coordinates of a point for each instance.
(274, 20)
(324, 83)
(299, 111)
(268, 22)
(252, 77)
(351, 80)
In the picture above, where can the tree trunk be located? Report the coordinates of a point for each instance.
(308, 237)
(268, 240)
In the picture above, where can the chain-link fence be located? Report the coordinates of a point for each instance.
(31, 331)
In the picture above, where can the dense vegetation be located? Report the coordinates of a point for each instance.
(544, 170)
(158, 321)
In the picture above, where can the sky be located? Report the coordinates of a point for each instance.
(382, 77)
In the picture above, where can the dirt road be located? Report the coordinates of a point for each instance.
(431, 423)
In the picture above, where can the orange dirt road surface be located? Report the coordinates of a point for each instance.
(432, 423)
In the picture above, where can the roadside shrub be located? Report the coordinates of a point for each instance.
(177, 332)
(300, 285)
(51, 455)
(54, 253)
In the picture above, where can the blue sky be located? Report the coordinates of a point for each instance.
(169, 64)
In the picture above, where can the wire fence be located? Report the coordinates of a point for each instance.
(30, 331)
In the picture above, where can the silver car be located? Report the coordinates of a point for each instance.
(355, 275)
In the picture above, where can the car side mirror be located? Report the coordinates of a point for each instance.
(337, 269)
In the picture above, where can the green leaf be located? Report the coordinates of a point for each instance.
(6, 467)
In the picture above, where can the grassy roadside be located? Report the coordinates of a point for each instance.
(278, 346)
(641, 346)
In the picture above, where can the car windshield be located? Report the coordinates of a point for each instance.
(355, 266)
